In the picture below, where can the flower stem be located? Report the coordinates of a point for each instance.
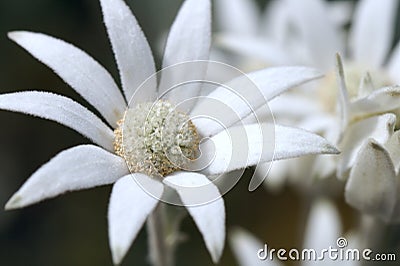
(160, 252)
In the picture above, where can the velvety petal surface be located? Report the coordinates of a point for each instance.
(131, 49)
(80, 167)
(189, 39)
(379, 128)
(85, 75)
(128, 209)
(61, 110)
(372, 184)
(372, 32)
(204, 203)
(242, 146)
(235, 100)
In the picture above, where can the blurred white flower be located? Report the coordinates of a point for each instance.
(322, 230)
(279, 35)
(367, 116)
(87, 166)
(374, 181)
(370, 115)
(309, 32)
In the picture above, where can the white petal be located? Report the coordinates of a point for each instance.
(278, 27)
(240, 147)
(80, 167)
(366, 85)
(311, 17)
(245, 248)
(61, 110)
(240, 97)
(392, 146)
(188, 40)
(379, 101)
(372, 184)
(275, 21)
(190, 35)
(300, 106)
(257, 48)
(321, 123)
(206, 206)
(128, 209)
(239, 16)
(132, 52)
(373, 30)
(379, 128)
(263, 114)
(294, 142)
(323, 228)
(78, 69)
(276, 80)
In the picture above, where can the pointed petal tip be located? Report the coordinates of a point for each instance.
(216, 250)
(330, 149)
(216, 253)
(215, 257)
(117, 255)
(339, 64)
(318, 73)
(374, 144)
(13, 203)
(208, 217)
(17, 34)
(12, 35)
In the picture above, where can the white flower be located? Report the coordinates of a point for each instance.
(322, 231)
(368, 142)
(280, 35)
(374, 181)
(355, 121)
(307, 32)
(367, 116)
(87, 166)
(310, 32)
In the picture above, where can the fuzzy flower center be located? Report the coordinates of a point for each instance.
(354, 75)
(155, 139)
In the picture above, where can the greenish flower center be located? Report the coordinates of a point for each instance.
(354, 75)
(155, 139)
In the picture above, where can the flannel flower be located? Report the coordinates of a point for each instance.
(313, 35)
(368, 105)
(374, 181)
(126, 149)
(370, 161)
